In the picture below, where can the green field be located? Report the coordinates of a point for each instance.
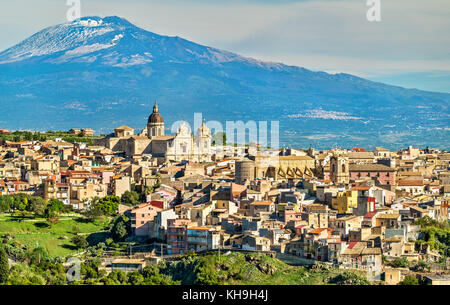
(34, 233)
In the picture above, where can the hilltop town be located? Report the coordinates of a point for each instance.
(371, 211)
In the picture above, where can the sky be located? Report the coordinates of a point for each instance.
(409, 47)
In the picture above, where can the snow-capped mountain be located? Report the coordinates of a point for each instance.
(105, 72)
(115, 42)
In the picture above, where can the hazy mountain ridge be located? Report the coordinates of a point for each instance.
(102, 72)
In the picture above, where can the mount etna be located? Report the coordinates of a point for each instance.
(101, 73)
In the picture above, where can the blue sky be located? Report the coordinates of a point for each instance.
(410, 47)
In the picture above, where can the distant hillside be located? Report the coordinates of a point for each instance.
(105, 72)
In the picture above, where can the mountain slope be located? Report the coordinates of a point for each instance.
(105, 72)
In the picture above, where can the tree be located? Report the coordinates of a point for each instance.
(5, 204)
(20, 202)
(130, 198)
(400, 262)
(95, 212)
(116, 277)
(52, 211)
(121, 228)
(108, 205)
(37, 206)
(54, 208)
(135, 278)
(37, 255)
(410, 280)
(80, 242)
(4, 266)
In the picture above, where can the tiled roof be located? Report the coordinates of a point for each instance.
(370, 168)
(261, 203)
(410, 183)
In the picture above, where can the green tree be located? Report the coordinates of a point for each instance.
(116, 277)
(108, 205)
(4, 266)
(37, 206)
(120, 228)
(54, 208)
(95, 211)
(130, 198)
(36, 256)
(5, 204)
(410, 280)
(20, 202)
(400, 262)
(135, 278)
(80, 242)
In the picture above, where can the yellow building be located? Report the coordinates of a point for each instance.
(345, 202)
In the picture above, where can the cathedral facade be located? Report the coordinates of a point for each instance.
(183, 146)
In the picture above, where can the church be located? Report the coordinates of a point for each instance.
(183, 146)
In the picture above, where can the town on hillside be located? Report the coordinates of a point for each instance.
(377, 211)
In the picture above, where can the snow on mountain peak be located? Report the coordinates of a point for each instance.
(96, 39)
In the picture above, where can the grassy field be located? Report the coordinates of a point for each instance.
(56, 238)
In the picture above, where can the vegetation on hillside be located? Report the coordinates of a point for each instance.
(434, 233)
(38, 268)
(18, 136)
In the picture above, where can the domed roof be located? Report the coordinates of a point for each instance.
(155, 117)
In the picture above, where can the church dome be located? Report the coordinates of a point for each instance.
(155, 117)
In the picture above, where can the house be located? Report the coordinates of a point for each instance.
(255, 243)
(177, 238)
(316, 215)
(199, 214)
(383, 174)
(438, 279)
(87, 131)
(159, 225)
(202, 238)
(388, 220)
(335, 250)
(258, 207)
(345, 202)
(392, 276)
(414, 187)
(141, 216)
(128, 265)
(344, 224)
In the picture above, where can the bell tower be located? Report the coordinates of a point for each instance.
(339, 169)
(204, 142)
(155, 125)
